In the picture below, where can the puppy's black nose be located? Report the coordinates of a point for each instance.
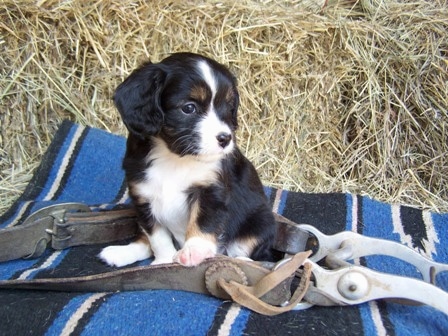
(224, 139)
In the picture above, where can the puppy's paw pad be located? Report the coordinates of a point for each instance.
(193, 255)
(124, 255)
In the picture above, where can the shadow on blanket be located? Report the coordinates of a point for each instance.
(84, 165)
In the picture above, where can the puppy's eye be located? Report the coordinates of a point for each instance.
(189, 108)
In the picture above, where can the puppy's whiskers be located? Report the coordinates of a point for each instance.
(180, 140)
(184, 145)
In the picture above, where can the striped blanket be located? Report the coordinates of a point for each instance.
(84, 165)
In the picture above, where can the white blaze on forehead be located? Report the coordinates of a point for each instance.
(211, 125)
(208, 77)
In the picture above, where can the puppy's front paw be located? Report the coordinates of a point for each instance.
(195, 251)
(125, 254)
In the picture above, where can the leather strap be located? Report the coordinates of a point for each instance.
(290, 238)
(248, 283)
(63, 228)
(21, 242)
(89, 228)
(249, 296)
(30, 239)
(251, 284)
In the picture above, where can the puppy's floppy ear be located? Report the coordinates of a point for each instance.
(138, 100)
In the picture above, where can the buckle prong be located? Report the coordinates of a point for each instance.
(55, 215)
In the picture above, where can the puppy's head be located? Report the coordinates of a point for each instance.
(187, 100)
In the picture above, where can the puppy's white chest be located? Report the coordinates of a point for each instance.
(166, 188)
(167, 197)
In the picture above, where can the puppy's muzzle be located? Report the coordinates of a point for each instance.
(224, 139)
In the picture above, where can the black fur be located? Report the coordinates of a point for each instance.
(235, 207)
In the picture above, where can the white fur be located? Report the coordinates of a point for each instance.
(122, 255)
(208, 77)
(167, 179)
(195, 250)
(210, 126)
(237, 249)
(161, 245)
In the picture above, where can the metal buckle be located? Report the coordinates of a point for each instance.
(53, 215)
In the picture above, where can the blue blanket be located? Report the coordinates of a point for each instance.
(84, 165)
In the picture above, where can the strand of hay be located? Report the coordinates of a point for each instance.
(352, 97)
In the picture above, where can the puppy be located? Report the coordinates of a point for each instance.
(191, 186)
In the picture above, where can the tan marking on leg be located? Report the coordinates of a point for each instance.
(142, 238)
(242, 247)
(198, 245)
(193, 229)
(250, 242)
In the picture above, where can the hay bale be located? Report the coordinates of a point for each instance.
(351, 97)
